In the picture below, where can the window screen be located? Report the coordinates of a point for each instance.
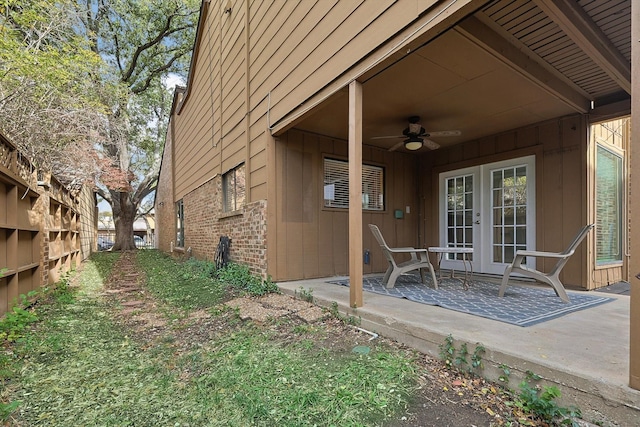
(336, 185)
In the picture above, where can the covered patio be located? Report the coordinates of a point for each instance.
(505, 80)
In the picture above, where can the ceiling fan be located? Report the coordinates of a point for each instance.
(416, 136)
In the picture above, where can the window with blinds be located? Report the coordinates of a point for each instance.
(336, 185)
(609, 204)
(233, 189)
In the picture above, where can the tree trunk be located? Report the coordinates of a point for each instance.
(124, 214)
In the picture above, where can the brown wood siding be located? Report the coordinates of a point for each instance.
(288, 42)
(312, 241)
(347, 31)
(195, 156)
(560, 147)
(211, 130)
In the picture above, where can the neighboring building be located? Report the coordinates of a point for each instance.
(258, 142)
(143, 231)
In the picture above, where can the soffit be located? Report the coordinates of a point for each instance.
(511, 64)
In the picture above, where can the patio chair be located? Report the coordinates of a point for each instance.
(553, 276)
(419, 260)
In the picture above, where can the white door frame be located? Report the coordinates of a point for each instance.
(482, 213)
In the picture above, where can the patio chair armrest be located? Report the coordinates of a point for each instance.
(542, 254)
(413, 251)
(407, 250)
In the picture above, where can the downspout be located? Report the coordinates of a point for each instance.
(247, 168)
(226, 12)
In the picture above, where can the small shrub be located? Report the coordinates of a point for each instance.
(346, 319)
(448, 351)
(461, 358)
(542, 403)
(239, 277)
(305, 294)
(506, 373)
(14, 323)
(199, 268)
(476, 357)
(63, 293)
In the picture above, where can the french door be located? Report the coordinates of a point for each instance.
(490, 208)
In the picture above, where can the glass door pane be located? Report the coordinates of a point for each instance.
(509, 212)
(459, 214)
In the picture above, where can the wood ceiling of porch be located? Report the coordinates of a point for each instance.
(511, 64)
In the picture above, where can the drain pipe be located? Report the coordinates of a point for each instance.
(373, 334)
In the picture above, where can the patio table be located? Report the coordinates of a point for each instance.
(442, 250)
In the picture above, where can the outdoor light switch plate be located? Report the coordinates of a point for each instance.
(398, 214)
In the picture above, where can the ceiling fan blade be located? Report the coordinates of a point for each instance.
(395, 147)
(431, 145)
(389, 137)
(445, 133)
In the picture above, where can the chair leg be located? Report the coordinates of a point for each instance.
(433, 277)
(558, 287)
(385, 279)
(392, 278)
(505, 280)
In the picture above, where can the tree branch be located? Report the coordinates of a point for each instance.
(156, 40)
(155, 73)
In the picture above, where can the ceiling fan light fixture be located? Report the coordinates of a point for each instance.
(413, 143)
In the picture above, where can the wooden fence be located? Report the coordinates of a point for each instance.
(45, 229)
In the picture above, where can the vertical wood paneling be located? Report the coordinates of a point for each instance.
(277, 203)
(312, 241)
(486, 147)
(574, 187)
(549, 229)
(326, 232)
(309, 206)
(562, 194)
(292, 210)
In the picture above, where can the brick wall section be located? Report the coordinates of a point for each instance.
(41, 209)
(205, 223)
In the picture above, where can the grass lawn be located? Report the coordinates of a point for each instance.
(81, 364)
(140, 339)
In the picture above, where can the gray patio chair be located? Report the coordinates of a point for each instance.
(419, 260)
(553, 276)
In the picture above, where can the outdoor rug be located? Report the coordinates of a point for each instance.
(521, 305)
